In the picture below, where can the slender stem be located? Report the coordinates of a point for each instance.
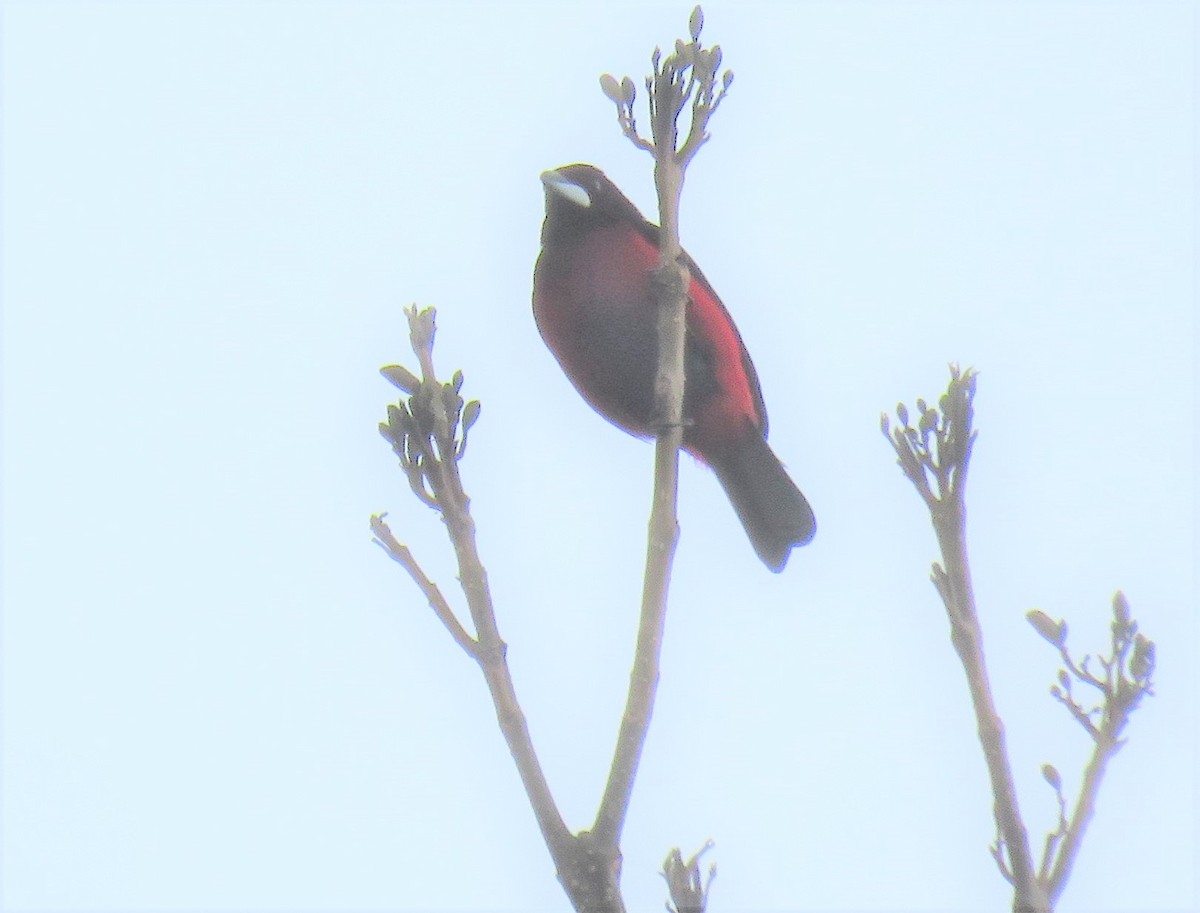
(965, 633)
(1054, 839)
(401, 554)
(670, 90)
(439, 466)
(490, 651)
(643, 680)
(671, 293)
(1107, 744)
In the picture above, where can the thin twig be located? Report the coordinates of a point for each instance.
(1105, 749)
(423, 435)
(939, 447)
(401, 554)
(674, 80)
(967, 638)
(1054, 837)
(663, 527)
(1128, 677)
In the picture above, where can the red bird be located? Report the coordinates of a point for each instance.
(593, 300)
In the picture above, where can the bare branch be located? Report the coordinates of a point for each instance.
(939, 448)
(1128, 677)
(400, 554)
(675, 77)
(428, 433)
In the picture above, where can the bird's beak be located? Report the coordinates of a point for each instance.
(566, 188)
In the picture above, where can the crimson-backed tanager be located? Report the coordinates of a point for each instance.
(594, 303)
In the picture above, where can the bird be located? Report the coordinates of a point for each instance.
(594, 305)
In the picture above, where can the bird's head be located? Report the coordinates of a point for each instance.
(582, 195)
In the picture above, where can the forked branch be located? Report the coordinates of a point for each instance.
(934, 454)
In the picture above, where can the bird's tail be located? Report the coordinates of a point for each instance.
(772, 509)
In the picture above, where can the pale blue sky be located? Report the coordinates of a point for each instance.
(218, 695)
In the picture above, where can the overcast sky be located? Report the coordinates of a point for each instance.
(219, 695)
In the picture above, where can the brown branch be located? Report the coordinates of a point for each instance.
(1106, 748)
(401, 554)
(1129, 673)
(663, 527)
(423, 436)
(967, 637)
(674, 80)
(939, 447)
